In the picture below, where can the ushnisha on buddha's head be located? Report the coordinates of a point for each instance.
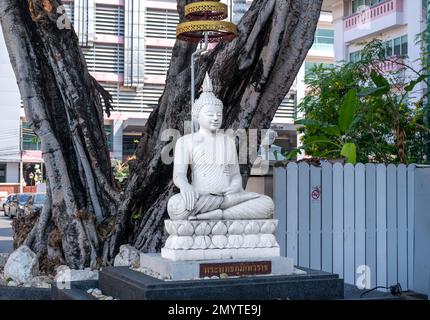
(208, 108)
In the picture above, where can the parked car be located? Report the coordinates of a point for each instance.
(2, 202)
(16, 206)
(6, 204)
(34, 203)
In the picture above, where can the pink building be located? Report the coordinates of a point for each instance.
(396, 22)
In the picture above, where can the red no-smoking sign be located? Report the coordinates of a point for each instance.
(316, 193)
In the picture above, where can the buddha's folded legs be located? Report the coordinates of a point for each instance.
(242, 205)
(259, 207)
(176, 207)
(211, 215)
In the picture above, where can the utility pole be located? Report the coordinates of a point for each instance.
(21, 164)
(427, 64)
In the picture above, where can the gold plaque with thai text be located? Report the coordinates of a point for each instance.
(235, 268)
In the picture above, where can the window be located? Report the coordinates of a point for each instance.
(355, 56)
(404, 48)
(2, 172)
(30, 141)
(389, 48)
(129, 144)
(109, 136)
(396, 47)
(357, 5)
(324, 36)
(324, 39)
(310, 65)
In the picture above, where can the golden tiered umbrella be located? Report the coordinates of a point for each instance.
(204, 24)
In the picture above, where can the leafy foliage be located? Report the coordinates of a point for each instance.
(121, 171)
(363, 113)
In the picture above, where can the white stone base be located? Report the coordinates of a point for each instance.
(220, 239)
(190, 270)
(219, 254)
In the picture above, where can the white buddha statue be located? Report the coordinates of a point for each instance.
(216, 191)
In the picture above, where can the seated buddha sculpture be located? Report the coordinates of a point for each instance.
(215, 191)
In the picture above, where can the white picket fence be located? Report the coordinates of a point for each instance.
(337, 218)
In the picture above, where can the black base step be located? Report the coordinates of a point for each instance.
(19, 293)
(126, 284)
(77, 291)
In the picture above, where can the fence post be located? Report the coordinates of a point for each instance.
(304, 249)
(280, 199)
(338, 256)
(348, 233)
(327, 216)
(360, 217)
(371, 221)
(293, 211)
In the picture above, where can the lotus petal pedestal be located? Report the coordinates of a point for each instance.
(220, 239)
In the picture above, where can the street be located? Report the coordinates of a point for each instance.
(6, 240)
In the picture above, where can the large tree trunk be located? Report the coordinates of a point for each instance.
(87, 216)
(63, 107)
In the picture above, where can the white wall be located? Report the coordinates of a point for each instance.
(412, 20)
(414, 15)
(9, 108)
(117, 139)
(12, 172)
(339, 43)
(383, 36)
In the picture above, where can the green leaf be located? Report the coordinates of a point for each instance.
(331, 131)
(347, 110)
(379, 79)
(292, 154)
(310, 123)
(413, 83)
(328, 129)
(136, 216)
(318, 140)
(349, 150)
(275, 154)
(379, 91)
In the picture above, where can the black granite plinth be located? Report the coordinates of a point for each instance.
(126, 284)
(77, 291)
(19, 293)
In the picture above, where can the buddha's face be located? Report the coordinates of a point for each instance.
(210, 117)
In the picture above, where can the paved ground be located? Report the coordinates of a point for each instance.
(6, 241)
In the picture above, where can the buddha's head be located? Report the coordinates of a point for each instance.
(208, 109)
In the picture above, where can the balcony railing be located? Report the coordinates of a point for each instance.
(391, 65)
(372, 13)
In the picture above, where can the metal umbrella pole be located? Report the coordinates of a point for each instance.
(193, 76)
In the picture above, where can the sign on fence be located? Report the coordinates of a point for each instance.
(356, 221)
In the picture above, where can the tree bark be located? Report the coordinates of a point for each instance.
(63, 107)
(87, 216)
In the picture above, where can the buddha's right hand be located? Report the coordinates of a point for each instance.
(190, 197)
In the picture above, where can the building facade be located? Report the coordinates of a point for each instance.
(397, 23)
(127, 45)
(10, 156)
